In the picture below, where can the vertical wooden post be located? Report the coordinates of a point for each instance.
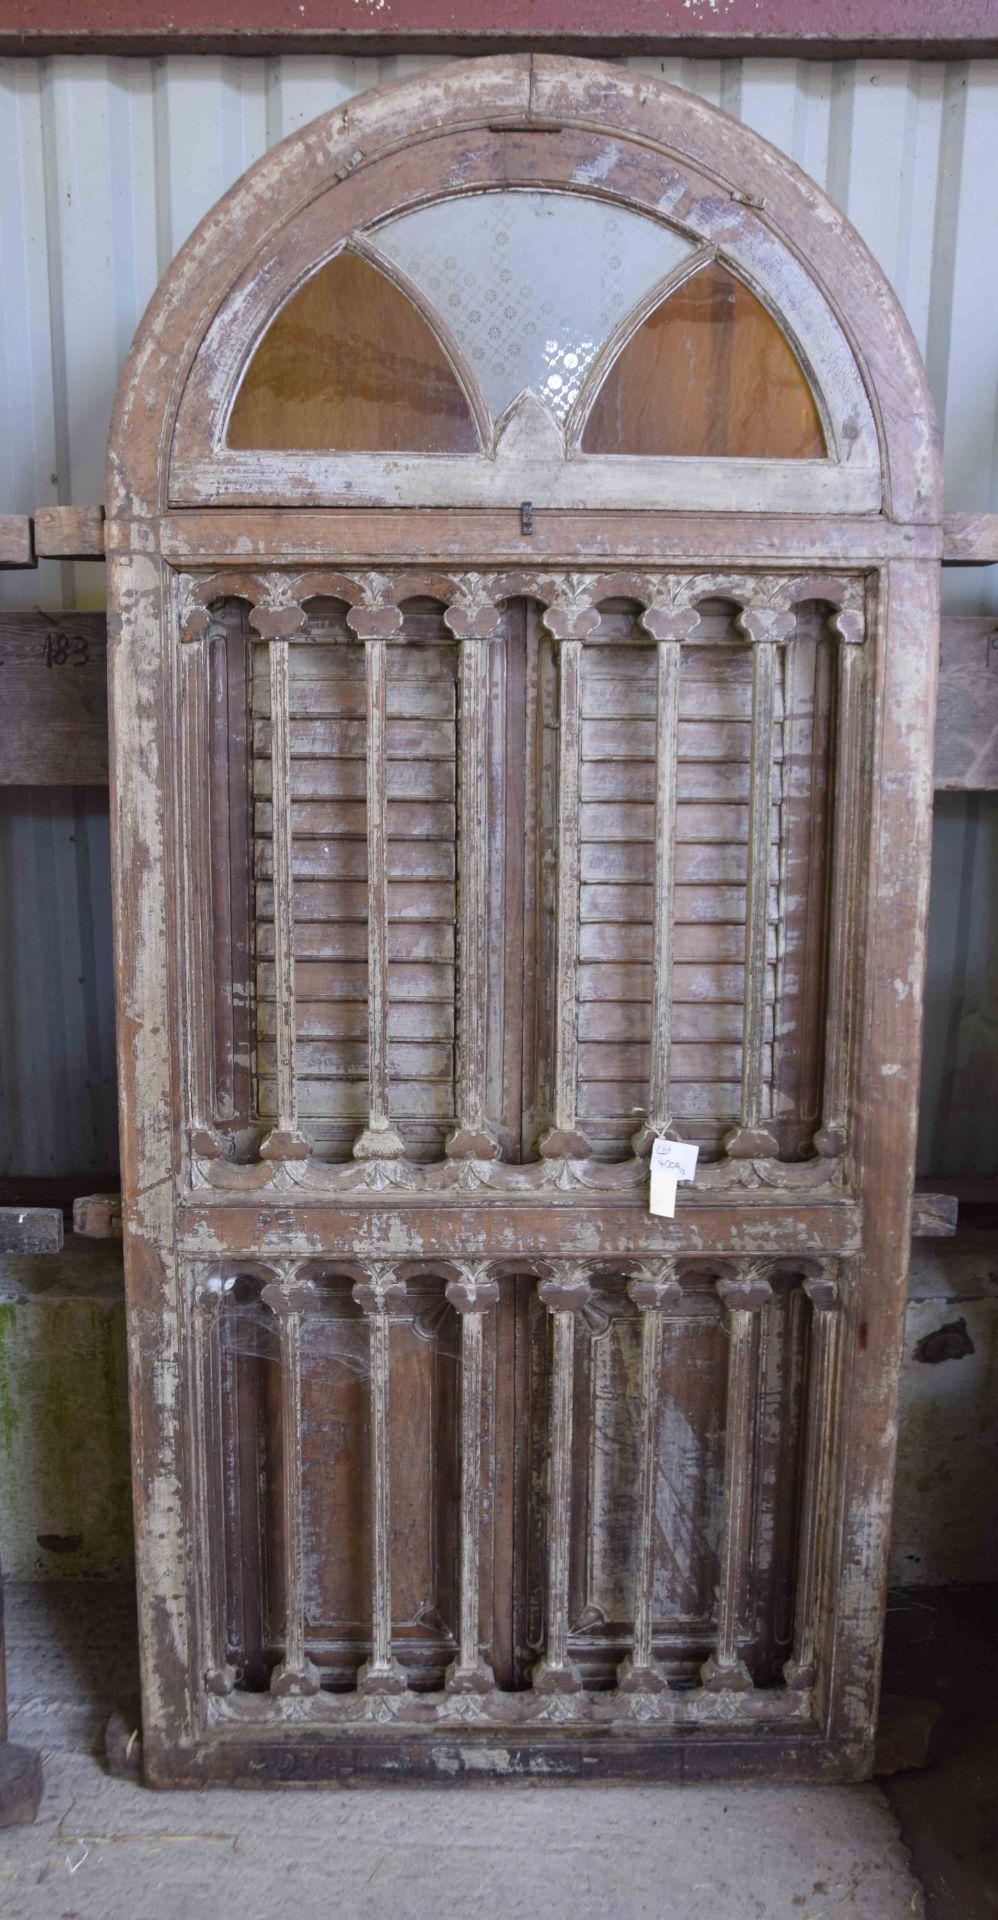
(195, 886)
(564, 1298)
(473, 620)
(850, 627)
(571, 620)
(287, 1297)
(822, 1292)
(377, 1294)
(276, 623)
(654, 1295)
(472, 1297)
(744, 1298)
(219, 1675)
(376, 625)
(766, 629)
(669, 626)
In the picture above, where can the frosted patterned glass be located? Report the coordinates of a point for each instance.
(531, 284)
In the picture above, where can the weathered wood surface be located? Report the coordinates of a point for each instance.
(69, 533)
(30, 1230)
(970, 539)
(351, 1475)
(56, 720)
(16, 549)
(53, 687)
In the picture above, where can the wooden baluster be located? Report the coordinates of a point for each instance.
(744, 1299)
(472, 1297)
(219, 1674)
(850, 627)
(206, 1141)
(570, 622)
(287, 1298)
(377, 1294)
(474, 621)
(767, 630)
(564, 1298)
(669, 626)
(822, 1292)
(654, 1295)
(376, 624)
(275, 623)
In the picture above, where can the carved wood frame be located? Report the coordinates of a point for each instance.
(190, 1214)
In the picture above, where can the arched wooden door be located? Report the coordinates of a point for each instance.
(523, 527)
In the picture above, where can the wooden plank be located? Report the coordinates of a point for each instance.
(966, 748)
(53, 688)
(30, 1229)
(69, 533)
(970, 539)
(901, 28)
(16, 548)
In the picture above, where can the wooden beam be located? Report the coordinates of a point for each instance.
(805, 28)
(966, 755)
(30, 1229)
(69, 533)
(970, 539)
(53, 690)
(16, 549)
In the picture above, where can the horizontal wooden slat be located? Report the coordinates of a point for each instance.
(347, 1020)
(708, 865)
(616, 1060)
(336, 819)
(622, 1098)
(347, 940)
(702, 982)
(635, 942)
(346, 780)
(712, 1021)
(423, 859)
(633, 902)
(699, 781)
(339, 739)
(340, 1059)
(347, 1099)
(347, 900)
(318, 980)
(346, 699)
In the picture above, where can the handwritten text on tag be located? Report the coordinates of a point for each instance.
(671, 1161)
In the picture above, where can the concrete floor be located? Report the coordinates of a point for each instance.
(104, 1849)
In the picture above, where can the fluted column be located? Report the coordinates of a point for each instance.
(744, 1299)
(850, 628)
(669, 626)
(472, 1296)
(570, 620)
(473, 619)
(564, 1297)
(275, 622)
(287, 1298)
(219, 1675)
(377, 1293)
(377, 622)
(767, 630)
(654, 1295)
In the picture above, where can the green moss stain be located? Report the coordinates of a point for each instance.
(65, 1498)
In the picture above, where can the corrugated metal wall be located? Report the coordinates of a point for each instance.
(107, 164)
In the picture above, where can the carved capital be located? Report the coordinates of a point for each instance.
(766, 626)
(568, 1291)
(474, 614)
(849, 623)
(474, 1292)
(378, 617)
(656, 1289)
(822, 1291)
(379, 1141)
(380, 1290)
(572, 614)
(748, 1291)
(286, 1293)
(274, 620)
(665, 622)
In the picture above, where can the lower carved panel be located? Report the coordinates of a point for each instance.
(461, 1495)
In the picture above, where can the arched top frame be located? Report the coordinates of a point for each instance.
(473, 126)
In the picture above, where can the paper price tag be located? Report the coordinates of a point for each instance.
(676, 1157)
(671, 1161)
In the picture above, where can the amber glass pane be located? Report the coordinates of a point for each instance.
(708, 372)
(350, 366)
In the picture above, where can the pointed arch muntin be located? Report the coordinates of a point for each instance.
(203, 469)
